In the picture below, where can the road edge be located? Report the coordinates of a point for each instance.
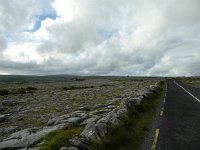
(152, 136)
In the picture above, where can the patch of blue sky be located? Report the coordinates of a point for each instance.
(10, 36)
(105, 33)
(40, 18)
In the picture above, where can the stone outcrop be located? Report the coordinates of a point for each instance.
(97, 129)
(73, 118)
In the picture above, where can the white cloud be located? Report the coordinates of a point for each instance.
(136, 37)
(66, 9)
(23, 53)
(16, 15)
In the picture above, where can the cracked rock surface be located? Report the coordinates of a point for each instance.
(93, 102)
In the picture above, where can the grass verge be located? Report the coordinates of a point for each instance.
(130, 134)
(59, 138)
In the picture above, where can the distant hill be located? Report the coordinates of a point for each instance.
(27, 78)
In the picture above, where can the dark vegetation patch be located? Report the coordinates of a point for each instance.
(19, 91)
(29, 89)
(105, 85)
(4, 92)
(77, 88)
(79, 79)
(130, 134)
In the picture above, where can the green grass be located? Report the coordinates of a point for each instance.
(59, 138)
(130, 134)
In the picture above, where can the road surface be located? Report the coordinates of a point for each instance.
(179, 127)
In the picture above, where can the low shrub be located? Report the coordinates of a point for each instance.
(79, 79)
(104, 85)
(30, 88)
(24, 90)
(20, 91)
(4, 92)
(76, 88)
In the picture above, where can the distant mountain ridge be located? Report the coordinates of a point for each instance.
(27, 78)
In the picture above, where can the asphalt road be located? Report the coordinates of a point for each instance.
(180, 123)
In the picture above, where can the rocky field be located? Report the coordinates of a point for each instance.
(44, 106)
(193, 81)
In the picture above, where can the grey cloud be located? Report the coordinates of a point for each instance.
(3, 44)
(69, 37)
(49, 67)
(14, 14)
(185, 65)
(183, 12)
(141, 38)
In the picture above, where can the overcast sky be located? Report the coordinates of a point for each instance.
(100, 37)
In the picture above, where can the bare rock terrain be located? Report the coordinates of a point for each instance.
(94, 102)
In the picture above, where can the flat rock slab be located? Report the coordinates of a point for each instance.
(8, 129)
(3, 117)
(75, 120)
(9, 103)
(102, 111)
(89, 120)
(84, 108)
(27, 137)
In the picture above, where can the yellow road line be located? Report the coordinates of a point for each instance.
(155, 141)
(153, 147)
(162, 111)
